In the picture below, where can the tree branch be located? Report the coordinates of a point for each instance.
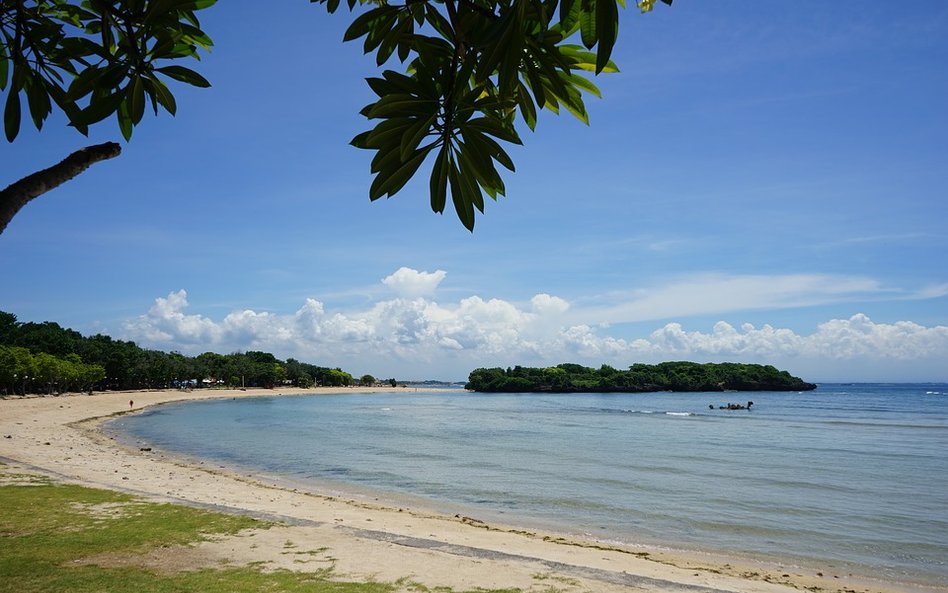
(20, 193)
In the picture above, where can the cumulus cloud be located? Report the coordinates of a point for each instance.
(166, 322)
(417, 335)
(407, 282)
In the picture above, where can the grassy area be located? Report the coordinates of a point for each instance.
(61, 538)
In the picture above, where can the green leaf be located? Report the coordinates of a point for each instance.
(135, 99)
(391, 181)
(476, 160)
(389, 43)
(124, 121)
(463, 203)
(83, 84)
(359, 141)
(536, 85)
(11, 115)
(401, 105)
(164, 96)
(380, 28)
(574, 104)
(405, 84)
(509, 68)
(527, 110)
(497, 50)
(388, 133)
(470, 187)
(584, 60)
(385, 160)
(438, 184)
(496, 129)
(587, 25)
(607, 30)
(38, 101)
(368, 21)
(487, 145)
(414, 134)
(581, 83)
(438, 22)
(184, 75)
(99, 108)
(4, 67)
(568, 12)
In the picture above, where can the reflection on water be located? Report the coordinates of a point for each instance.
(849, 473)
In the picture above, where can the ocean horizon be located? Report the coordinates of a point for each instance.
(852, 476)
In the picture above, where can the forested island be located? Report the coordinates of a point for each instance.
(47, 358)
(639, 378)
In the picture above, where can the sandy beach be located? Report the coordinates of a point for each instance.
(60, 437)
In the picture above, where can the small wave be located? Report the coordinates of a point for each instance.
(386, 409)
(658, 412)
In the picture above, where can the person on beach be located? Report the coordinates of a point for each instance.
(131, 404)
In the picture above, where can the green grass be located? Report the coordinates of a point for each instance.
(51, 533)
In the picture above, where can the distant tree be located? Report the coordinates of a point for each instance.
(666, 376)
(304, 381)
(8, 327)
(338, 378)
(471, 67)
(16, 368)
(367, 380)
(393, 382)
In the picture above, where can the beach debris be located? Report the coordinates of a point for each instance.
(469, 520)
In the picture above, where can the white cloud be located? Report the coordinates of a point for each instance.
(407, 282)
(546, 304)
(166, 322)
(932, 292)
(712, 294)
(419, 337)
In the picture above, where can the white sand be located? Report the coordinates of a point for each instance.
(59, 437)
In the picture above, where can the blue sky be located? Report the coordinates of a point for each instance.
(762, 182)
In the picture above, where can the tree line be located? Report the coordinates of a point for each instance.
(47, 358)
(666, 376)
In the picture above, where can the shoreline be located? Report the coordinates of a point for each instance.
(62, 437)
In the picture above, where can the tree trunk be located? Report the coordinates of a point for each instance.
(21, 192)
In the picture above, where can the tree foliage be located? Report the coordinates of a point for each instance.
(96, 58)
(471, 67)
(45, 357)
(666, 376)
(21, 370)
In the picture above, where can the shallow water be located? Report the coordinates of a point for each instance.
(852, 475)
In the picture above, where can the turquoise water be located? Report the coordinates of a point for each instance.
(854, 476)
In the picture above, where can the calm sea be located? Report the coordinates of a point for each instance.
(853, 476)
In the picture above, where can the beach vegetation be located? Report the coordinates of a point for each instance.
(57, 538)
(20, 369)
(47, 358)
(468, 71)
(666, 376)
